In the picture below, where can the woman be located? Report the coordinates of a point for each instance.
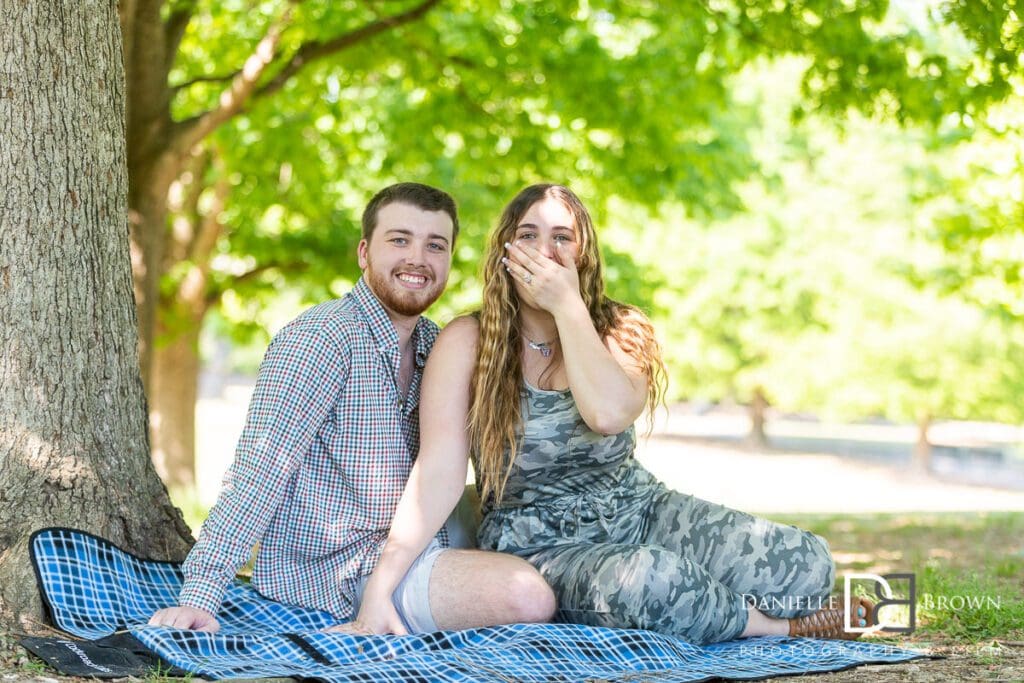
(556, 373)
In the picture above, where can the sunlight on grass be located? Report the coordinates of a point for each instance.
(967, 567)
(192, 509)
(970, 606)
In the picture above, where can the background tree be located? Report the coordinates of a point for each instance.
(73, 447)
(820, 294)
(618, 98)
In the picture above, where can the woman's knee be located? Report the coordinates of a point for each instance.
(821, 566)
(813, 574)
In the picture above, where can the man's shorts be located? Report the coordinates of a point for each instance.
(411, 598)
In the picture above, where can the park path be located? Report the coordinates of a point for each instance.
(777, 481)
(688, 453)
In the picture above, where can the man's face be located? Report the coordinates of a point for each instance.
(407, 259)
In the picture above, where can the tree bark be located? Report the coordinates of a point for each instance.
(922, 458)
(173, 393)
(73, 444)
(758, 407)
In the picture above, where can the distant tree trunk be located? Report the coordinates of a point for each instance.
(148, 242)
(172, 414)
(150, 43)
(175, 351)
(922, 459)
(73, 444)
(758, 408)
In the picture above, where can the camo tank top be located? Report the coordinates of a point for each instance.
(568, 483)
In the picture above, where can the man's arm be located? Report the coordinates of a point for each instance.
(299, 381)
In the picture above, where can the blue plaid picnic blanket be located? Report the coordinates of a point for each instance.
(93, 589)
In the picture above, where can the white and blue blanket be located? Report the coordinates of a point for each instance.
(96, 591)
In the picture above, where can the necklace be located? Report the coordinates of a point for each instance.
(544, 347)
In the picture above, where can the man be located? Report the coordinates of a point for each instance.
(329, 440)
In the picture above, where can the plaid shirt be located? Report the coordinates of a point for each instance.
(326, 450)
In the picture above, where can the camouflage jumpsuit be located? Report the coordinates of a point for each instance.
(621, 549)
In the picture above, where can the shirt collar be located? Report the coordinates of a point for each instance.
(383, 330)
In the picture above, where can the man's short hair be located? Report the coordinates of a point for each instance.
(419, 195)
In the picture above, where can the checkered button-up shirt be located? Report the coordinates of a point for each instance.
(320, 466)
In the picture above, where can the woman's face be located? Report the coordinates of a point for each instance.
(546, 224)
(549, 228)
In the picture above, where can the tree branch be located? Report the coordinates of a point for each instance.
(314, 50)
(284, 266)
(243, 87)
(174, 30)
(205, 79)
(210, 227)
(183, 203)
(189, 132)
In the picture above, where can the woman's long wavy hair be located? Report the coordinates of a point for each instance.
(494, 414)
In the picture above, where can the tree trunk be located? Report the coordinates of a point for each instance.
(152, 165)
(922, 460)
(172, 408)
(175, 349)
(148, 236)
(758, 408)
(73, 445)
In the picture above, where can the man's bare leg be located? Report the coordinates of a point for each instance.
(476, 588)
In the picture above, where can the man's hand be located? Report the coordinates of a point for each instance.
(186, 617)
(376, 617)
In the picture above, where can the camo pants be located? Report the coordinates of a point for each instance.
(665, 561)
(621, 549)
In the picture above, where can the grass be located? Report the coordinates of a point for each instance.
(35, 666)
(161, 674)
(968, 568)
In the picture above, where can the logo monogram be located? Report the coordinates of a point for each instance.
(883, 591)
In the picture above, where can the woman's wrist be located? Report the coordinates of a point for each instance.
(571, 310)
(378, 588)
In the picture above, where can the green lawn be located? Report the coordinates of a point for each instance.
(969, 568)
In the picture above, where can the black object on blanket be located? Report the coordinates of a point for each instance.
(115, 656)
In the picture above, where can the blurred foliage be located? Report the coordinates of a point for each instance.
(819, 198)
(824, 292)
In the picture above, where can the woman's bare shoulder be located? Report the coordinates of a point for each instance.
(459, 337)
(465, 328)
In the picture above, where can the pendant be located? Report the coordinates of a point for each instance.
(544, 349)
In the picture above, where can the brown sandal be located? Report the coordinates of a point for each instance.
(830, 622)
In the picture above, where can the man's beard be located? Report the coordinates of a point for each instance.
(402, 301)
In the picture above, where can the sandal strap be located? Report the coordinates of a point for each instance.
(829, 623)
(826, 623)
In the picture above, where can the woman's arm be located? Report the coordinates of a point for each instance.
(608, 385)
(438, 477)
